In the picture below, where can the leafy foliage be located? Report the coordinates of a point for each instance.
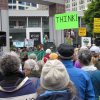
(92, 12)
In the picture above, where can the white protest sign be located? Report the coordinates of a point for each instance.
(29, 42)
(85, 41)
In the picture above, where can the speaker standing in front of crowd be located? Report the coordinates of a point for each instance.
(14, 85)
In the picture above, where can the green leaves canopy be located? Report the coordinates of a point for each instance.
(92, 12)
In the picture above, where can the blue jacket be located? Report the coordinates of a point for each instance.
(95, 78)
(26, 91)
(81, 81)
(57, 95)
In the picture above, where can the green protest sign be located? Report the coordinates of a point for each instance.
(66, 20)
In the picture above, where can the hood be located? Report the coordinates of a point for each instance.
(56, 95)
(11, 83)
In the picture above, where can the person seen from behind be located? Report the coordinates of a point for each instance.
(79, 77)
(85, 58)
(31, 70)
(55, 82)
(14, 84)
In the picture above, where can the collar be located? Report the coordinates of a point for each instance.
(49, 92)
(89, 68)
(67, 63)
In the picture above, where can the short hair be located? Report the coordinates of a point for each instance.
(9, 63)
(32, 56)
(85, 57)
(31, 64)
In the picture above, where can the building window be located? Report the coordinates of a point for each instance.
(74, 9)
(34, 22)
(10, 7)
(67, 1)
(9, 1)
(14, 7)
(45, 21)
(14, 1)
(21, 8)
(89, 0)
(33, 5)
(81, 7)
(22, 23)
(28, 4)
(67, 5)
(22, 3)
(12, 24)
(67, 9)
(81, 2)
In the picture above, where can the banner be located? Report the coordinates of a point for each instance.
(18, 44)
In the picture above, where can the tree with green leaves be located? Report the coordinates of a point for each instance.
(92, 12)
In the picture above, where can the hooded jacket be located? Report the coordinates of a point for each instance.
(17, 87)
(57, 95)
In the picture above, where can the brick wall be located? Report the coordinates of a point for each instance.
(3, 4)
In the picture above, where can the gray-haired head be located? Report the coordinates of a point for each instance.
(32, 56)
(9, 63)
(85, 57)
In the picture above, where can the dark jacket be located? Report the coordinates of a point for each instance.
(57, 95)
(17, 87)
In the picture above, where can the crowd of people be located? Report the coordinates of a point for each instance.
(67, 74)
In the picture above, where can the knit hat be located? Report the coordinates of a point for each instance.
(65, 51)
(54, 75)
(95, 49)
(53, 56)
(48, 51)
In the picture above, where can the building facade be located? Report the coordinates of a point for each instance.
(27, 21)
(76, 5)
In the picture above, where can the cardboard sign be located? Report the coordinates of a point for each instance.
(96, 25)
(82, 31)
(29, 42)
(85, 41)
(67, 20)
